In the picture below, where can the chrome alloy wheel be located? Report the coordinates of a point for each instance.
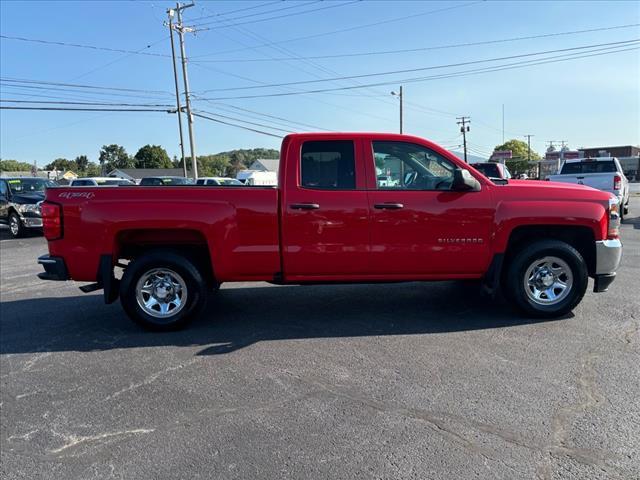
(548, 281)
(161, 293)
(14, 225)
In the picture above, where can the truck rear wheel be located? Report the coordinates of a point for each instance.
(546, 279)
(162, 291)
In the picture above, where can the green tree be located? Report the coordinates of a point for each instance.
(518, 148)
(152, 156)
(114, 156)
(82, 161)
(212, 165)
(92, 170)
(62, 164)
(14, 166)
(236, 163)
(520, 152)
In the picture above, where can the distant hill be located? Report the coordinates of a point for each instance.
(471, 158)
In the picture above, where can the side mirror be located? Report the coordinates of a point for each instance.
(463, 181)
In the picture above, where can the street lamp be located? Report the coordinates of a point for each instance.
(399, 95)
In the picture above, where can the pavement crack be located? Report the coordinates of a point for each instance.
(149, 379)
(74, 440)
(589, 397)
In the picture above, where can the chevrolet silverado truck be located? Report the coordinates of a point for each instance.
(331, 220)
(602, 173)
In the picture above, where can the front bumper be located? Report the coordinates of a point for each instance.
(54, 268)
(32, 222)
(608, 255)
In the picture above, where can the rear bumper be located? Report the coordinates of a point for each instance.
(54, 268)
(608, 255)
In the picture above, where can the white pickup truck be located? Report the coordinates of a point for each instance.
(602, 173)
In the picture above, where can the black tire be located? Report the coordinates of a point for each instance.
(194, 289)
(516, 270)
(16, 228)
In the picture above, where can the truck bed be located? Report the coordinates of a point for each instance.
(238, 226)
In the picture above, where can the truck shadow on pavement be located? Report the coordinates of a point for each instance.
(239, 317)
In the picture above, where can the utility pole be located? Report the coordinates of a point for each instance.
(171, 13)
(181, 29)
(399, 95)
(503, 123)
(529, 155)
(529, 146)
(464, 121)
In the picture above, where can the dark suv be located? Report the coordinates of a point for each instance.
(20, 200)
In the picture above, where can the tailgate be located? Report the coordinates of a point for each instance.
(599, 181)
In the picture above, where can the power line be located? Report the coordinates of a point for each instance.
(96, 87)
(462, 73)
(2, 107)
(296, 5)
(422, 69)
(422, 49)
(286, 120)
(90, 47)
(348, 29)
(278, 17)
(246, 32)
(219, 115)
(235, 125)
(253, 7)
(86, 103)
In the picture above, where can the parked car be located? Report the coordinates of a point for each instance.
(330, 221)
(219, 181)
(257, 177)
(165, 181)
(20, 200)
(493, 170)
(99, 182)
(602, 173)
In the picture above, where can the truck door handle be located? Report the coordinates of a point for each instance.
(389, 206)
(304, 206)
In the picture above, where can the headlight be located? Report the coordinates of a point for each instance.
(31, 207)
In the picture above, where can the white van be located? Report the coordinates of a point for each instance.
(257, 177)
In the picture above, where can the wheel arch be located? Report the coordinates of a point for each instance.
(579, 237)
(189, 243)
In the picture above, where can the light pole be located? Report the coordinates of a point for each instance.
(399, 95)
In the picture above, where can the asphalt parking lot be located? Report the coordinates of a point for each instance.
(364, 381)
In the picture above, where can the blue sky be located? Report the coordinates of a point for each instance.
(589, 101)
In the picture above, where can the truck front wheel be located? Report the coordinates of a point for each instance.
(162, 291)
(546, 279)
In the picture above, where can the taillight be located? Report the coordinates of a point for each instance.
(51, 220)
(613, 230)
(617, 183)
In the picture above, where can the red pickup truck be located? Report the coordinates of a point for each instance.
(350, 207)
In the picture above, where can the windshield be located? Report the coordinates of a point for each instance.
(160, 181)
(27, 185)
(589, 167)
(230, 181)
(114, 182)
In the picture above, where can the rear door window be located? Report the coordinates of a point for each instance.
(328, 165)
